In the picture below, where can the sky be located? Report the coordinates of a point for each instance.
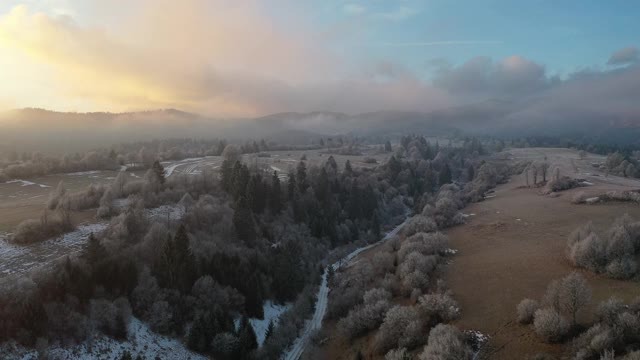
(248, 58)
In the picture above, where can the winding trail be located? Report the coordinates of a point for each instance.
(299, 345)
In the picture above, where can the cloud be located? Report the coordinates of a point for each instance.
(482, 77)
(216, 57)
(399, 14)
(354, 9)
(442, 43)
(624, 56)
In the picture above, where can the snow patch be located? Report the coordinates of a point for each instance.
(592, 200)
(18, 259)
(272, 312)
(450, 251)
(142, 341)
(26, 183)
(82, 173)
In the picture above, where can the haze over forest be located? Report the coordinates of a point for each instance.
(391, 64)
(319, 179)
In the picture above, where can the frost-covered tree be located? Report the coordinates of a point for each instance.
(526, 310)
(446, 342)
(550, 325)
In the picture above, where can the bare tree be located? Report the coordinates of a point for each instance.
(575, 293)
(544, 170)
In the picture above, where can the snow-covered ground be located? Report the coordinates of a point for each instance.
(17, 259)
(83, 173)
(26, 183)
(272, 312)
(142, 341)
(297, 349)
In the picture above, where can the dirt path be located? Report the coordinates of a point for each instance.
(513, 247)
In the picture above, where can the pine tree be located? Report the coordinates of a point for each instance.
(275, 195)
(158, 170)
(445, 175)
(95, 251)
(301, 177)
(226, 175)
(387, 146)
(184, 261)
(270, 329)
(126, 355)
(347, 167)
(331, 162)
(177, 262)
(243, 221)
(291, 187)
(241, 178)
(375, 225)
(248, 339)
(253, 301)
(322, 186)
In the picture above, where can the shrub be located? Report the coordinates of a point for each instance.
(367, 316)
(550, 325)
(589, 253)
(624, 268)
(439, 308)
(420, 223)
(423, 243)
(446, 343)
(393, 328)
(398, 354)
(526, 310)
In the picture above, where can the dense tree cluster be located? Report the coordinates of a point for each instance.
(614, 334)
(248, 236)
(612, 253)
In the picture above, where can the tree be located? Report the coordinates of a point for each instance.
(158, 170)
(550, 325)
(574, 294)
(375, 226)
(347, 167)
(269, 332)
(226, 175)
(95, 251)
(291, 187)
(177, 261)
(446, 343)
(231, 154)
(243, 221)
(526, 310)
(444, 175)
(247, 337)
(387, 146)
(301, 177)
(275, 195)
(544, 169)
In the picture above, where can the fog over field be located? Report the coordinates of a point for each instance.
(310, 180)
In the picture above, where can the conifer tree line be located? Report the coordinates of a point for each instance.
(243, 237)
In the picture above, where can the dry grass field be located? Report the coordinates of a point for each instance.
(511, 248)
(514, 246)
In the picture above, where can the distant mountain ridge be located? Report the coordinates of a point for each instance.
(494, 117)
